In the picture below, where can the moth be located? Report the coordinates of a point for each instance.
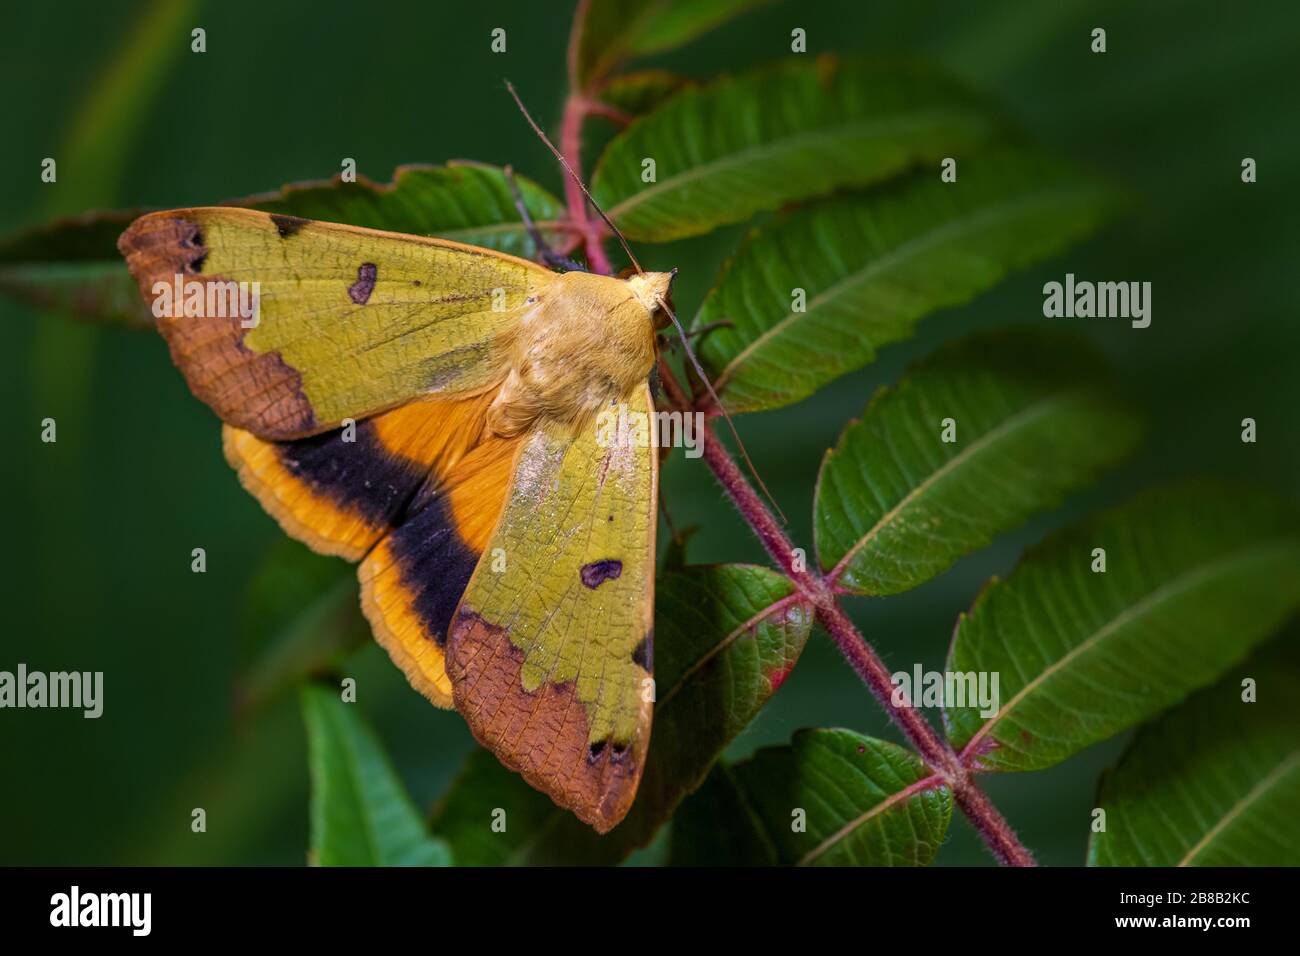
(428, 410)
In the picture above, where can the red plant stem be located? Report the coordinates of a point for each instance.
(995, 830)
(999, 836)
(863, 659)
(830, 615)
(990, 824)
(576, 109)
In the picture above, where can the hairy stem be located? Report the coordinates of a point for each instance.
(934, 750)
(863, 659)
(830, 615)
(990, 824)
(996, 832)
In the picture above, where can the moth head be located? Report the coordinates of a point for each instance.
(649, 288)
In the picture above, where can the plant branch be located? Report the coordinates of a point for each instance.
(576, 110)
(995, 831)
(816, 589)
(990, 824)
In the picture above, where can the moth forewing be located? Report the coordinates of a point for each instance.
(351, 321)
(549, 659)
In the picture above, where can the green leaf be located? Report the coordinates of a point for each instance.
(1195, 575)
(1215, 782)
(101, 290)
(74, 263)
(301, 617)
(801, 129)
(618, 30)
(361, 815)
(484, 797)
(637, 93)
(464, 202)
(861, 801)
(715, 827)
(871, 266)
(71, 265)
(727, 637)
(1034, 419)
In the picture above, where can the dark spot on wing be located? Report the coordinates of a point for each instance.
(287, 226)
(595, 750)
(643, 654)
(359, 291)
(194, 241)
(598, 572)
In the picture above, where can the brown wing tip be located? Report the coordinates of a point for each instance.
(159, 246)
(542, 735)
(254, 391)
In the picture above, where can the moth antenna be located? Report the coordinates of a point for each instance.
(573, 175)
(690, 354)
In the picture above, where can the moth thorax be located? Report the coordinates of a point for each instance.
(588, 341)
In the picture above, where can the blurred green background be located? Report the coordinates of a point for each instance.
(100, 526)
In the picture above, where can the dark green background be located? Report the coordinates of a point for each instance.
(99, 527)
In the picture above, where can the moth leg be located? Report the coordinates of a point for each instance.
(547, 254)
